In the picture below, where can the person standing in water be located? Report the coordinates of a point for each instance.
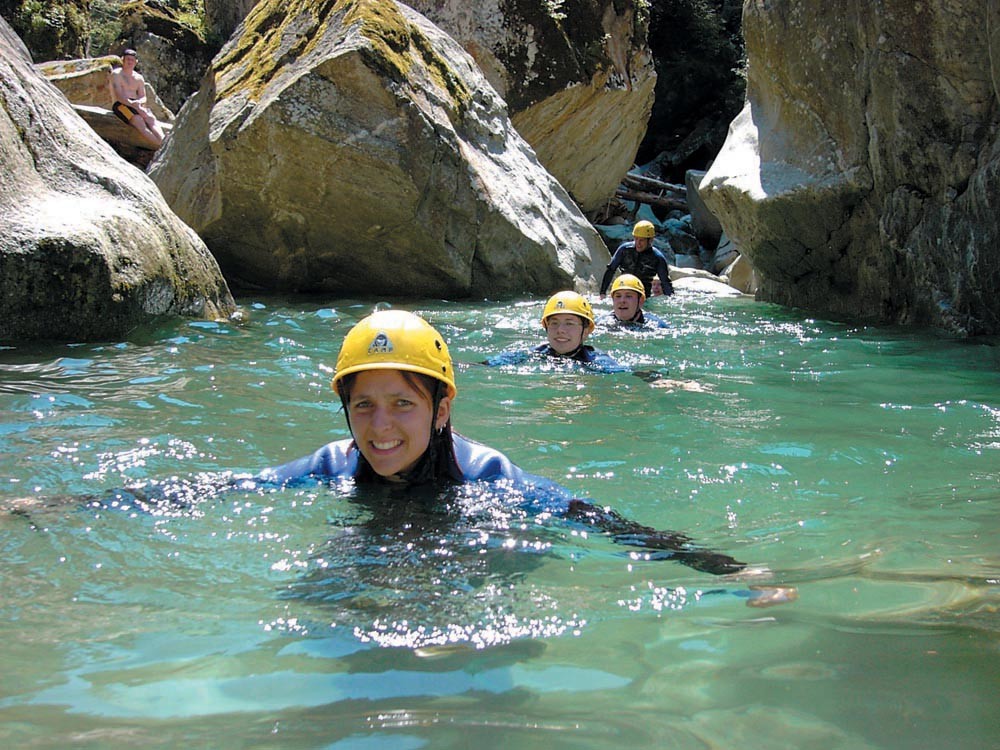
(627, 298)
(568, 319)
(128, 99)
(639, 258)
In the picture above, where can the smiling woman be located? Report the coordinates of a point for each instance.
(391, 425)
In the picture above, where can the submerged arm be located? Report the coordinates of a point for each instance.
(678, 546)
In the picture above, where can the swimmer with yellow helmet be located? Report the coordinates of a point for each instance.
(396, 381)
(627, 298)
(567, 319)
(639, 258)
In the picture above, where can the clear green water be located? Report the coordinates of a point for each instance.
(860, 464)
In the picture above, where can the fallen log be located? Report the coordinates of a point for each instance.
(664, 201)
(651, 184)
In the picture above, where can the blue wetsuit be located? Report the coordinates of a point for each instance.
(465, 461)
(586, 355)
(642, 321)
(646, 264)
(473, 462)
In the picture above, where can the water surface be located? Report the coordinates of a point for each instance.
(859, 464)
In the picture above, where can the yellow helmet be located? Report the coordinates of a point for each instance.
(395, 340)
(644, 229)
(572, 304)
(630, 282)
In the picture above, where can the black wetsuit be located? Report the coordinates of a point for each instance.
(646, 264)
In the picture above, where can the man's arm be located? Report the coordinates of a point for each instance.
(609, 274)
(663, 271)
(140, 91)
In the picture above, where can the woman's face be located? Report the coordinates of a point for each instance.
(565, 332)
(391, 420)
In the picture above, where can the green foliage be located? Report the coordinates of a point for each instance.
(106, 20)
(50, 30)
(105, 26)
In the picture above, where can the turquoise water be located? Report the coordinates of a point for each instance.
(858, 464)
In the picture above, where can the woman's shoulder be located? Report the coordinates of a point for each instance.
(335, 459)
(481, 463)
(600, 360)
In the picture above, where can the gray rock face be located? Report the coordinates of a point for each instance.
(356, 149)
(577, 76)
(88, 247)
(223, 16)
(861, 177)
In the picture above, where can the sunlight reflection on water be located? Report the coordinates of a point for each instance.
(858, 464)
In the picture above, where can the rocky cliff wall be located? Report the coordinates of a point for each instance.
(862, 176)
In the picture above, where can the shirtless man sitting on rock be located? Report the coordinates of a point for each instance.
(128, 96)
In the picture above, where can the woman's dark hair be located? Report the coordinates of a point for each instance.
(438, 462)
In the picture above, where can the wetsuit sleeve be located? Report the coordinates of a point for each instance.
(655, 321)
(334, 460)
(661, 544)
(609, 273)
(479, 463)
(603, 362)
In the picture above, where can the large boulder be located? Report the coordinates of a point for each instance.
(861, 176)
(577, 76)
(355, 148)
(88, 247)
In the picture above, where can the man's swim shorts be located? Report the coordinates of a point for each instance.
(124, 111)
